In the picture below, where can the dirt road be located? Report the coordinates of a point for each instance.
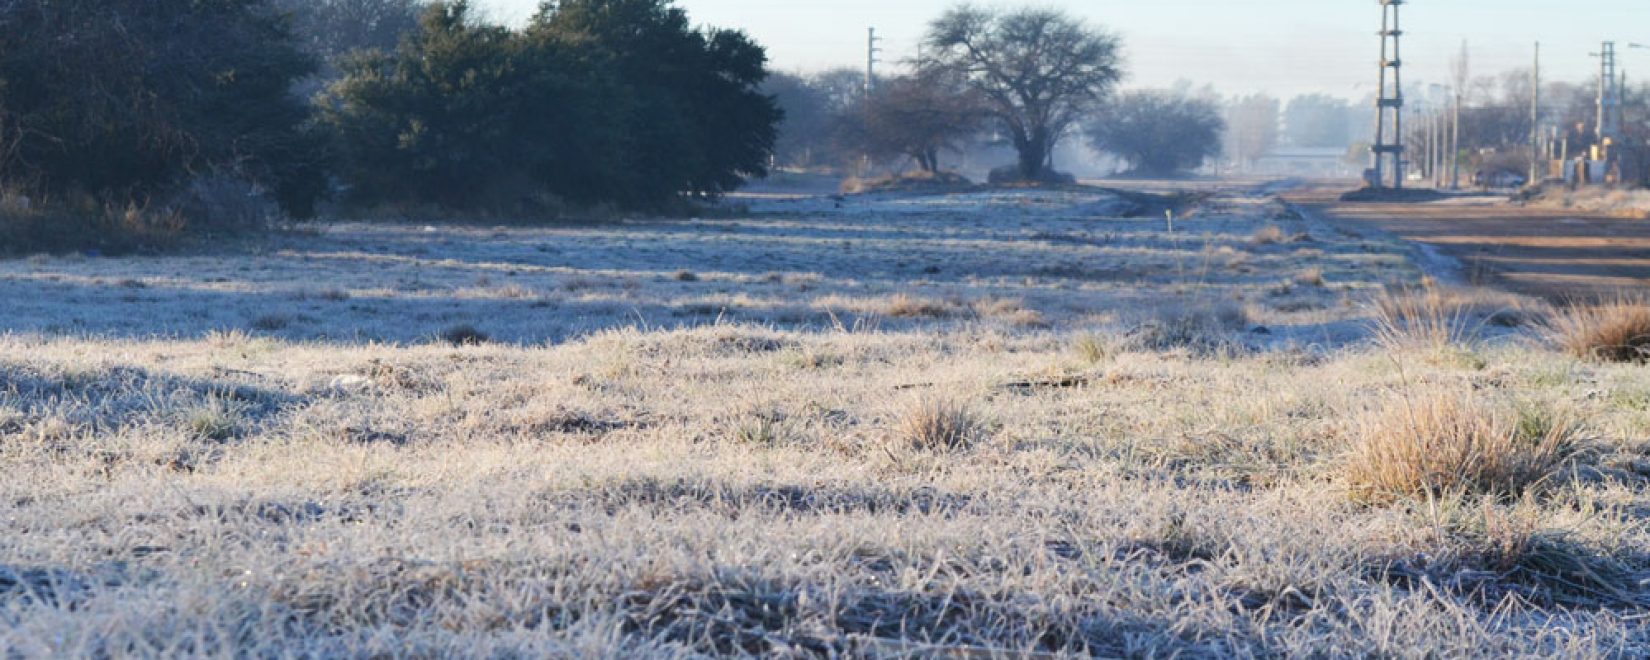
(1550, 253)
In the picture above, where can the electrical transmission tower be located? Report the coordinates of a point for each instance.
(1609, 95)
(871, 60)
(1389, 108)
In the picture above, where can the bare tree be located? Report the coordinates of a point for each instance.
(1039, 71)
(920, 116)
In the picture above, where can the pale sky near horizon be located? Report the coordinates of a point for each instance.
(1283, 47)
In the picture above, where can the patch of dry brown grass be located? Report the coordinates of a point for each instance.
(938, 424)
(1616, 330)
(1009, 310)
(1426, 317)
(902, 305)
(1444, 444)
(1268, 235)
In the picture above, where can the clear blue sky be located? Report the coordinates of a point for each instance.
(1283, 47)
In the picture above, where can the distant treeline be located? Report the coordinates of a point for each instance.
(178, 111)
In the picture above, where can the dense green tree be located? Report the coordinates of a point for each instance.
(697, 117)
(430, 123)
(1160, 132)
(595, 101)
(126, 100)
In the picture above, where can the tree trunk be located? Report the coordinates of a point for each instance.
(1033, 157)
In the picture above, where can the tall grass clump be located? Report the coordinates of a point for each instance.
(1439, 444)
(1616, 330)
(933, 424)
(1424, 318)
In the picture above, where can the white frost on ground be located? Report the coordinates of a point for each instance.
(1029, 260)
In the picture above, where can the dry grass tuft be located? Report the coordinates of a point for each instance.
(215, 418)
(1268, 235)
(902, 305)
(1310, 277)
(1613, 331)
(1092, 349)
(934, 424)
(1009, 310)
(1420, 318)
(763, 429)
(1448, 445)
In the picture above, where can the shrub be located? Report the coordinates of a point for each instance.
(1613, 331)
(932, 424)
(1439, 444)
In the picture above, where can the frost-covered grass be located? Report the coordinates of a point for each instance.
(1138, 473)
(886, 262)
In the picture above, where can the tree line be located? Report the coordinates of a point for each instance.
(133, 111)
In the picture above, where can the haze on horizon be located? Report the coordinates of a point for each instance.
(1283, 47)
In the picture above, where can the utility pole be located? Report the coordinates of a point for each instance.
(1462, 73)
(1389, 147)
(1536, 156)
(1455, 147)
(871, 60)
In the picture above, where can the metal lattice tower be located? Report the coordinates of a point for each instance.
(871, 59)
(1389, 108)
(1609, 95)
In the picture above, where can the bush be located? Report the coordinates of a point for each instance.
(1440, 444)
(1613, 331)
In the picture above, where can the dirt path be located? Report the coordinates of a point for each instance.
(1550, 253)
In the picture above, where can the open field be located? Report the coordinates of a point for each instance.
(1539, 250)
(991, 423)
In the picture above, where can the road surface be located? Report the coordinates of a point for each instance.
(1551, 253)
